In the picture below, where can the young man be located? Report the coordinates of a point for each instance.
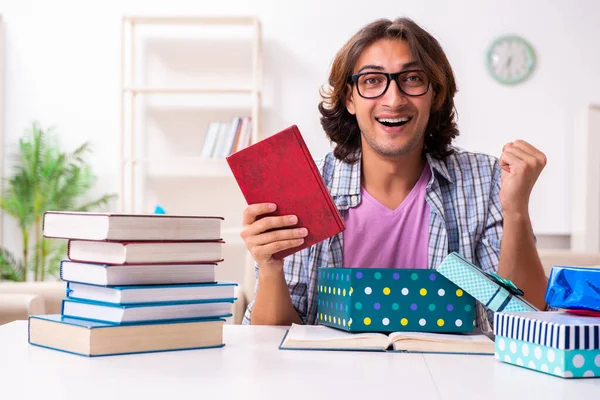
(407, 197)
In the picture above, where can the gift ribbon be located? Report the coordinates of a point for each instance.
(506, 284)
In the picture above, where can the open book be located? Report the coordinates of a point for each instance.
(320, 337)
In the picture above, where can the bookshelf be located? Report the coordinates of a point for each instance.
(136, 166)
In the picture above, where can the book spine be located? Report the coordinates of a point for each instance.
(318, 177)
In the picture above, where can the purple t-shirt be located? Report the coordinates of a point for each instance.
(377, 237)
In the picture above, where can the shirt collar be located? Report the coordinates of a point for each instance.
(439, 166)
(350, 173)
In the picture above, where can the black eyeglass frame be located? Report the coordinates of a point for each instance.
(353, 79)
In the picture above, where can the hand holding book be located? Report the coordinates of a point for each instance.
(279, 170)
(269, 235)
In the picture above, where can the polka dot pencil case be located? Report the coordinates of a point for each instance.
(392, 300)
(556, 343)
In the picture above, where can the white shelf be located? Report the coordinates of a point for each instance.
(183, 20)
(137, 167)
(172, 90)
(184, 167)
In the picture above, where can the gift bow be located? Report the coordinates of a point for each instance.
(506, 284)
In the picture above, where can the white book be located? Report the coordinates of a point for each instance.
(118, 226)
(210, 139)
(221, 139)
(136, 274)
(120, 314)
(151, 293)
(144, 252)
(231, 135)
(320, 337)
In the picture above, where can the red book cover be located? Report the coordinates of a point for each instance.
(280, 170)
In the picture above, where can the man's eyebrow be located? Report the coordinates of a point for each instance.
(410, 64)
(375, 67)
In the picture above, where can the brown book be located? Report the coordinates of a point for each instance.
(93, 338)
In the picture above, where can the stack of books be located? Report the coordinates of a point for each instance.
(136, 283)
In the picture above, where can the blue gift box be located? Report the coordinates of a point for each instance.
(575, 288)
(391, 300)
(491, 290)
(555, 343)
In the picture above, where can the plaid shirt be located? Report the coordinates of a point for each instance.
(466, 217)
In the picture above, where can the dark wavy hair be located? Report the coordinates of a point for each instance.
(342, 128)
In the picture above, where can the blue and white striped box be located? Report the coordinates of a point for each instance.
(556, 343)
(492, 291)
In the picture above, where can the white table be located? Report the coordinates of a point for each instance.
(250, 366)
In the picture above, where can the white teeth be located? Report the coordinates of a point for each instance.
(393, 120)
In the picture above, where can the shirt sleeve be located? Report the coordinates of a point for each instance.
(296, 283)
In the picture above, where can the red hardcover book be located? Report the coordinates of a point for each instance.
(280, 170)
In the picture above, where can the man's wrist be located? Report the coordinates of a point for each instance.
(516, 215)
(269, 272)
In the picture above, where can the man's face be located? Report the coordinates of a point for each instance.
(394, 124)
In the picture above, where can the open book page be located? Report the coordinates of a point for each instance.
(324, 337)
(475, 342)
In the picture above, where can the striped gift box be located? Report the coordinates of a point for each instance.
(559, 330)
(554, 343)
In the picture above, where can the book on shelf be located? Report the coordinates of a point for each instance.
(132, 227)
(144, 252)
(210, 139)
(280, 170)
(91, 339)
(136, 313)
(320, 337)
(224, 138)
(151, 293)
(136, 274)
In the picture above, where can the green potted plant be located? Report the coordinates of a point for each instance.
(44, 178)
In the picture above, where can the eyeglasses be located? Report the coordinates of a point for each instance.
(371, 85)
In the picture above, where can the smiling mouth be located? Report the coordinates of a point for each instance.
(393, 122)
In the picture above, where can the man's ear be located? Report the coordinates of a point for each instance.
(350, 100)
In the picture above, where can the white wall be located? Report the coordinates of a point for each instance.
(63, 60)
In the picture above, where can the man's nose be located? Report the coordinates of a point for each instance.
(394, 97)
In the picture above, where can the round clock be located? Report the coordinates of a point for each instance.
(510, 59)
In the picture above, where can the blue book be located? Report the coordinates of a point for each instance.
(151, 293)
(91, 339)
(135, 313)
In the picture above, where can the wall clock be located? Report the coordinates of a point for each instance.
(510, 59)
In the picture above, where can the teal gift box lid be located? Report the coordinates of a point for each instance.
(392, 300)
(491, 290)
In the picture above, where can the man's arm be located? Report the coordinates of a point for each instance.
(281, 287)
(273, 304)
(280, 298)
(519, 259)
(521, 165)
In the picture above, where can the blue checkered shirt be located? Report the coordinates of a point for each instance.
(466, 217)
